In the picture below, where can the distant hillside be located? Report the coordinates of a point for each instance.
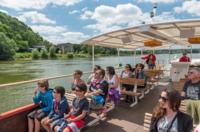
(22, 36)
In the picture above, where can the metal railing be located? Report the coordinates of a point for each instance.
(17, 94)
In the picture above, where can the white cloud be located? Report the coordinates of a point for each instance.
(111, 18)
(86, 15)
(84, 9)
(75, 37)
(74, 12)
(158, 1)
(191, 7)
(35, 4)
(58, 34)
(48, 29)
(4, 11)
(35, 17)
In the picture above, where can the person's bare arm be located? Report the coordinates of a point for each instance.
(183, 94)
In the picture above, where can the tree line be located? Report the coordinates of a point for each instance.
(15, 36)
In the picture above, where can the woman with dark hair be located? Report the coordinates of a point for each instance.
(91, 77)
(77, 79)
(127, 73)
(167, 117)
(139, 71)
(113, 82)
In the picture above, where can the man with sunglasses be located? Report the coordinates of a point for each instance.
(191, 89)
(191, 92)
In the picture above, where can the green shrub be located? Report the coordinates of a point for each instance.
(52, 52)
(23, 55)
(70, 55)
(44, 54)
(35, 54)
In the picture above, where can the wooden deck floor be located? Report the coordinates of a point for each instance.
(126, 119)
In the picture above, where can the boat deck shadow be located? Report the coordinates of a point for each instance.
(126, 119)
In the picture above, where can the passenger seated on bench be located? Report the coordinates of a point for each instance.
(77, 79)
(98, 91)
(75, 120)
(191, 89)
(167, 117)
(43, 97)
(139, 71)
(191, 92)
(113, 82)
(59, 107)
(127, 73)
(91, 77)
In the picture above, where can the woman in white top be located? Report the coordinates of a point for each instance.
(127, 73)
(113, 82)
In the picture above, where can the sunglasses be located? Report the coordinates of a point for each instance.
(163, 98)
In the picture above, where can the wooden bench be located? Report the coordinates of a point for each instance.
(148, 117)
(179, 85)
(135, 83)
(151, 76)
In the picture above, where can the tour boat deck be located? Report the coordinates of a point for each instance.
(126, 119)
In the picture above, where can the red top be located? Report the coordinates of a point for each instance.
(184, 59)
(153, 57)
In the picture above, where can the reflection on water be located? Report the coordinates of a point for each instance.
(14, 71)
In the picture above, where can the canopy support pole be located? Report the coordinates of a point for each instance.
(169, 58)
(118, 55)
(134, 57)
(93, 57)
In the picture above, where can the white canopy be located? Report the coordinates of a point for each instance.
(169, 33)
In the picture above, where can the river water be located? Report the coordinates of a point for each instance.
(13, 71)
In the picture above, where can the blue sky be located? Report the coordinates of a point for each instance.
(76, 20)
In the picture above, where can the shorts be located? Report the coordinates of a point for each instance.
(62, 123)
(38, 116)
(75, 126)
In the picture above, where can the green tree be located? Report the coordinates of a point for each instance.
(7, 47)
(44, 54)
(22, 46)
(23, 35)
(35, 54)
(52, 52)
